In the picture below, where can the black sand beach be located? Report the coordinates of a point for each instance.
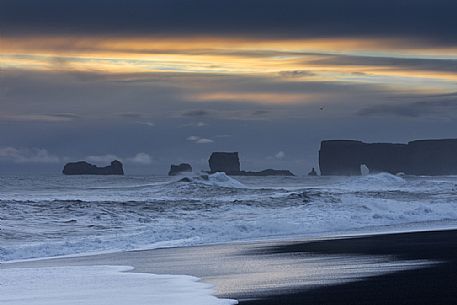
(400, 268)
(433, 284)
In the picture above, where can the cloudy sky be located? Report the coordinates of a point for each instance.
(164, 81)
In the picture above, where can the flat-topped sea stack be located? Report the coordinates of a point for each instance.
(180, 168)
(84, 168)
(229, 163)
(420, 157)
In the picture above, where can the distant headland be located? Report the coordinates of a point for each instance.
(420, 157)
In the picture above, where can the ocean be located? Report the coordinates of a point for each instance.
(49, 216)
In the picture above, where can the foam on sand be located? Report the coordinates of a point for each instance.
(101, 285)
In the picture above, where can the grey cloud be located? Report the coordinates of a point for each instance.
(150, 124)
(231, 111)
(199, 140)
(141, 158)
(413, 109)
(432, 64)
(70, 116)
(195, 124)
(196, 113)
(450, 94)
(260, 112)
(407, 110)
(102, 158)
(272, 85)
(130, 115)
(27, 155)
(296, 73)
(37, 117)
(360, 74)
(280, 155)
(204, 141)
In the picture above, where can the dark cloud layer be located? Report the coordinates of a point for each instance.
(196, 113)
(432, 64)
(442, 108)
(296, 73)
(421, 19)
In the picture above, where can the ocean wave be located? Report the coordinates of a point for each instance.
(217, 208)
(381, 181)
(216, 179)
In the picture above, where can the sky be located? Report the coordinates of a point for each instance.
(167, 81)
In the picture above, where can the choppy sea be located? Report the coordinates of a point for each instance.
(47, 216)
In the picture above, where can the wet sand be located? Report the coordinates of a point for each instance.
(400, 268)
(429, 284)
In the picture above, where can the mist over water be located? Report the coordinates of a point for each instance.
(62, 215)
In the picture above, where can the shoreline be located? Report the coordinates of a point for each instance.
(305, 271)
(438, 225)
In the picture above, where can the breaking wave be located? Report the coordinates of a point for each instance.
(216, 179)
(374, 181)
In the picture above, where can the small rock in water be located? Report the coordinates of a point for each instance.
(185, 179)
(312, 172)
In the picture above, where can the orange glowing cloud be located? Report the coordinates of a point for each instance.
(265, 57)
(255, 97)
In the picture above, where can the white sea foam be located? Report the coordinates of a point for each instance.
(378, 181)
(216, 179)
(100, 285)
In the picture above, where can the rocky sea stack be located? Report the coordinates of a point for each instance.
(84, 168)
(180, 168)
(229, 163)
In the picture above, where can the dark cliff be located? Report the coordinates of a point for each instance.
(178, 169)
(421, 157)
(229, 163)
(84, 168)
